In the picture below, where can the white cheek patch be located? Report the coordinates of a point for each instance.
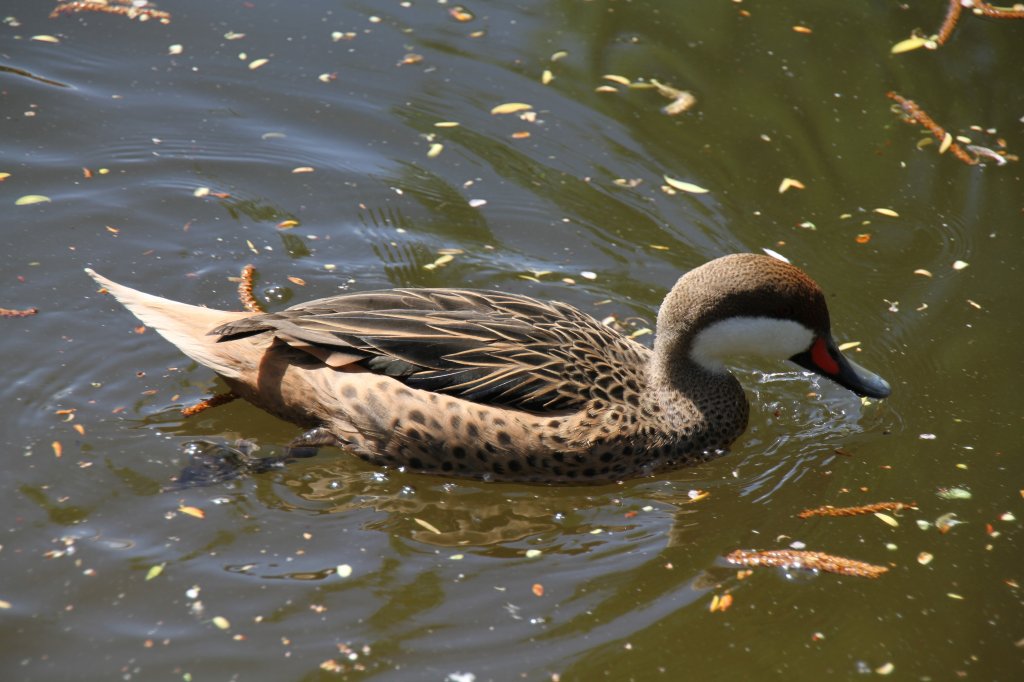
(766, 337)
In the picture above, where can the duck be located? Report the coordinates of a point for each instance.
(499, 386)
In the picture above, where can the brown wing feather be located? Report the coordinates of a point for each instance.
(488, 347)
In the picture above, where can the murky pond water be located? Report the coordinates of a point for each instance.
(331, 569)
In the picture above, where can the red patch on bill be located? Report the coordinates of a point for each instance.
(822, 358)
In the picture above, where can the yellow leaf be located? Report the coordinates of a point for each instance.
(790, 182)
(257, 63)
(546, 77)
(46, 39)
(192, 511)
(429, 526)
(885, 518)
(435, 150)
(621, 80)
(511, 108)
(154, 571)
(947, 142)
(848, 345)
(887, 212)
(221, 622)
(909, 44)
(684, 186)
(31, 199)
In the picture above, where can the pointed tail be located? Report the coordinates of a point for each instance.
(184, 325)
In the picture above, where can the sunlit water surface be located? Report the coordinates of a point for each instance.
(172, 157)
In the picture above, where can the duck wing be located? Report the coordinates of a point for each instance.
(488, 347)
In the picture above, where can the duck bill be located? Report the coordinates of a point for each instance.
(824, 358)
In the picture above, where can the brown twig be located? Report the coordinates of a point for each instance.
(978, 7)
(949, 23)
(814, 561)
(914, 114)
(118, 7)
(829, 510)
(214, 401)
(1015, 12)
(26, 312)
(245, 294)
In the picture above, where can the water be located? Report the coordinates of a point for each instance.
(440, 583)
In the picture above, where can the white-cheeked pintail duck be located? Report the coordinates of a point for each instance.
(499, 386)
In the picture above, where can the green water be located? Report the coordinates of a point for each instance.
(105, 577)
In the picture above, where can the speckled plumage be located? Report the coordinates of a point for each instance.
(493, 385)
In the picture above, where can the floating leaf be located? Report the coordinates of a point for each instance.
(720, 603)
(621, 80)
(887, 212)
(546, 77)
(947, 142)
(285, 224)
(848, 345)
(511, 108)
(435, 150)
(946, 522)
(221, 622)
(46, 39)
(912, 43)
(343, 570)
(885, 518)
(538, 590)
(154, 571)
(925, 558)
(959, 264)
(954, 494)
(532, 553)
(922, 272)
(684, 186)
(29, 199)
(788, 183)
(775, 254)
(257, 63)
(429, 526)
(192, 511)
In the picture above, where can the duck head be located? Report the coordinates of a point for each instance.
(755, 305)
